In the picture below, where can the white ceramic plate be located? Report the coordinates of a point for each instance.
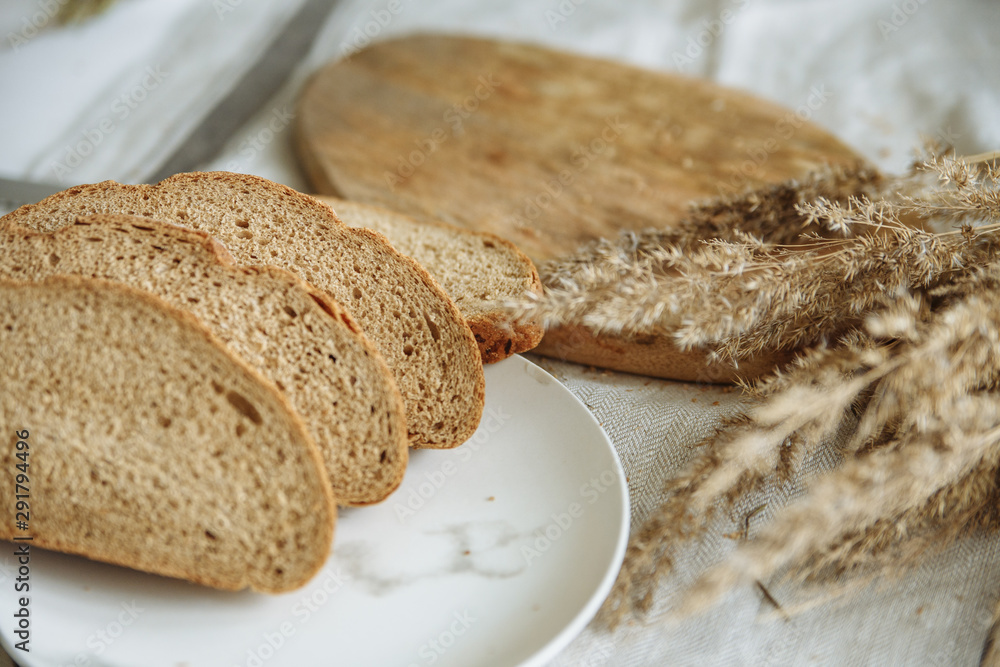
(495, 553)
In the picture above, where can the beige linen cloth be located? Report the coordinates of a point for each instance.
(895, 69)
(937, 615)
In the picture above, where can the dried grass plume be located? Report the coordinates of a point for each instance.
(888, 289)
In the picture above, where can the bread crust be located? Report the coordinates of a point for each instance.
(498, 339)
(525, 164)
(566, 149)
(654, 356)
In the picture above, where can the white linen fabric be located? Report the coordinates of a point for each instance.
(110, 98)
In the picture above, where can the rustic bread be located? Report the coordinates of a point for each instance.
(402, 310)
(653, 355)
(284, 328)
(477, 270)
(559, 150)
(552, 158)
(150, 445)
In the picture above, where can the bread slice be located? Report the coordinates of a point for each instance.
(417, 328)
(285, 329)
(149, 445)
(477, 270)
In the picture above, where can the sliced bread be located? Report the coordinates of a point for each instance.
(147, 444)
(285, 329)
(402, 310)
(477, 270)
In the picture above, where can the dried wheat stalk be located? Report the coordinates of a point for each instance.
(889, 289)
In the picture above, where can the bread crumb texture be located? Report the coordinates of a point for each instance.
(151, 445)
(418, 330)
(285, 329)
(479, 271)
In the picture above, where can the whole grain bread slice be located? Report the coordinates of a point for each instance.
(478, 271)
(284, 328)
(402, 310)
(148, 444)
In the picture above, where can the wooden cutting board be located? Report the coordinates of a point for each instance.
(546, 149)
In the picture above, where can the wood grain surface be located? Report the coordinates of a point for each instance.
(546, 149)
(550, 150)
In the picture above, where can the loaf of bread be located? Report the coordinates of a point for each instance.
(653, 355)
(149, 445)
(419, 331)
(285, 329)
(477, 270)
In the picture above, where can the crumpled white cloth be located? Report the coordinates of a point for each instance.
(112, 97)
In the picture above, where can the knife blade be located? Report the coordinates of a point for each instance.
(16, 193)
(258, 85)
(261, 81)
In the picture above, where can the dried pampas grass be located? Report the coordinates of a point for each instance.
(889, 291)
